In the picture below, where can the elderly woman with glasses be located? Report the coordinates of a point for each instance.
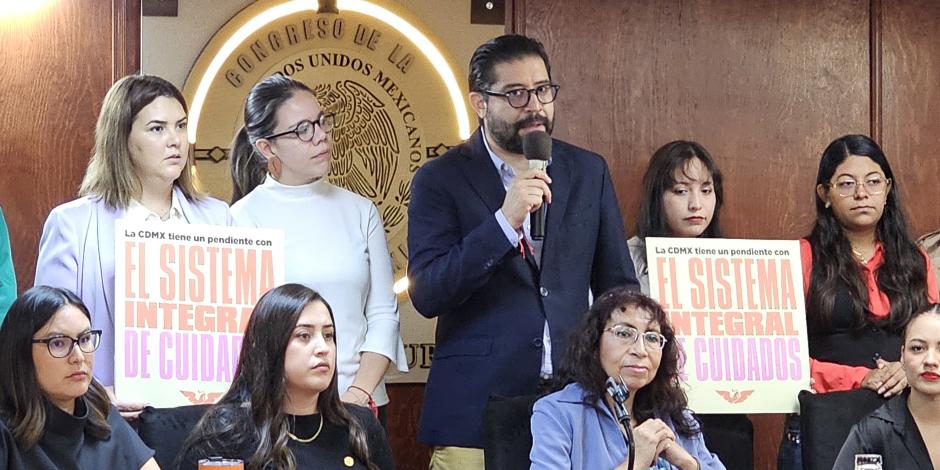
(624, 336)
(336, 241)
(53, 413)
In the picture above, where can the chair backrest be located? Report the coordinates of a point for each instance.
(825, 422)
(731, 438)
(165, 429)
(507, 433)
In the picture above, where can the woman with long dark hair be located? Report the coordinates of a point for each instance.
(683, 193)
(682, 197)
(863, 276)
(53, 413)
(901, 430)
(140, 171)
(624, 335)
(283, 409)
(336, 240)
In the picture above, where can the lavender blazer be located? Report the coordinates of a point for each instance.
(76, 252)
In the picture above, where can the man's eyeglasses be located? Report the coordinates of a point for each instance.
(306, 129)
(519, 98)
(629, 335)
(61, 345)
(874, 185)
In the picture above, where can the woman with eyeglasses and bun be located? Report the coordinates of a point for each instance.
(53, 413)
(334, 238)
(624, 335)
(863, 278)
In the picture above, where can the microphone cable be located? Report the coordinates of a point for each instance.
(619, 392)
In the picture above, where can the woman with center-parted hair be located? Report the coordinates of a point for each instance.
(140, 171)
(863, 278)
(283, 409)
(335, 238)
(624, 335)
(683, 191)
(53, 414)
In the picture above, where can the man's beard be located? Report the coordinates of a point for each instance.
(506, 135)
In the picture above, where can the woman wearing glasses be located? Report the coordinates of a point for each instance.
(625, 335)
(335, 241)
(863, 275)
(53, 414)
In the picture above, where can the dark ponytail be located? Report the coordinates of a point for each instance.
(248, 166)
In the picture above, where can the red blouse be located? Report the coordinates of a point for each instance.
(831, 377)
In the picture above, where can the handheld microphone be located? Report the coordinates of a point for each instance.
(537, 148)
(619, 392)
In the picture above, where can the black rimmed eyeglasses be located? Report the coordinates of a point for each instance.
(519, 97)
(304, 130)
(61, 345)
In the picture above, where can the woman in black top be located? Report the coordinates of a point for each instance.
(55, 415)
(283, 409)
(904, 430)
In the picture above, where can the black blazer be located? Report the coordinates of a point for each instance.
(891, 432)
(490, 302)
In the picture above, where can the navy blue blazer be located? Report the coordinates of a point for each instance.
(491, 303)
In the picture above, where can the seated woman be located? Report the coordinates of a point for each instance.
(905, 431)
(283, 409)
(624, 335)
(53, 414)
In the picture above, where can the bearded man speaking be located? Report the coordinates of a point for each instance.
(506, 298)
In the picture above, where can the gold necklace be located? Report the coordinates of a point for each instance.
(861, 257)
(309, 439)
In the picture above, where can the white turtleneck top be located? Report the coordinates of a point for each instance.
(335, 244)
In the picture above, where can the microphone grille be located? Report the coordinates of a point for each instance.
(537, 146)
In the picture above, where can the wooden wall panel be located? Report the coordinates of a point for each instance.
(404, 414)
(764, 85)
(911, 105)
(55, 67)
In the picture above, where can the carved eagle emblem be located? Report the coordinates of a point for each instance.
(366, 149)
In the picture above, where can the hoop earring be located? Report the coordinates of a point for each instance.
(274, 167)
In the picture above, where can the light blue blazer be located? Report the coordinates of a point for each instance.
(569, 433)
(76, 252)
